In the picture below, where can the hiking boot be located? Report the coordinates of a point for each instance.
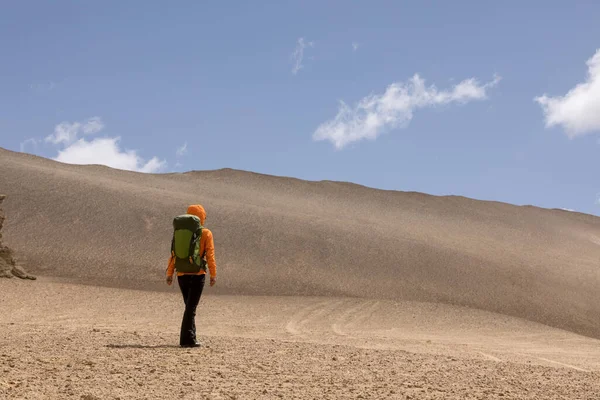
(194, 344)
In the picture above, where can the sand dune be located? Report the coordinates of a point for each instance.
(283, 236)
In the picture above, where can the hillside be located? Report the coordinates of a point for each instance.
(283, 236)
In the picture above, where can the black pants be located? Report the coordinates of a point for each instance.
(191, 288)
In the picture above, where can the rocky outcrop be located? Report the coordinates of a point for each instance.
(8, 265)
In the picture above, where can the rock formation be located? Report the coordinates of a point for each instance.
(8, 265)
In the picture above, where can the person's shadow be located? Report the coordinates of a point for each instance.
(142, 346)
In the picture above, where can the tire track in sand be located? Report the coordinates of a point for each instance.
(554, 362)
(296, 325)
(490, 357)
(356, 315)
(563, 364)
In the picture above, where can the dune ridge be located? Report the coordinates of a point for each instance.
(285, 236)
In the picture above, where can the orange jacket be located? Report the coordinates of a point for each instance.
(206, 245)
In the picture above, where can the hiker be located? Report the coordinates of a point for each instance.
(192, 250)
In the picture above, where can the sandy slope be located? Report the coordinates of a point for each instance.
(281, 236)
(86, 342)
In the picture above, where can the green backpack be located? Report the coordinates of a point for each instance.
(185, 246)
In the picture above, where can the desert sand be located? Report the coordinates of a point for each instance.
(325, 290)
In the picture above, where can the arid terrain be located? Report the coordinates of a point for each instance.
(325, 290)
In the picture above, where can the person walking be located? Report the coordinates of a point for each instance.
(192, 251)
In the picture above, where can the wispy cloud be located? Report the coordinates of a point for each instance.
(355, 46)
(375, 114)
(578, 111)
(42, 87)
(32, 142)
(103, 151)
(67, 132)
(181, 151)
(92, 126)
(298, 55)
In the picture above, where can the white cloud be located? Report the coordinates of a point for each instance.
(32, 141)
(354, 46)
(67, 132)
(375, 114)
(578, 111)
(298, 55)
(181, 151)
(103, 151)
(106, 151)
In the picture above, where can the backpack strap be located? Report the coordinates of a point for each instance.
(200, 238)
(173, 256)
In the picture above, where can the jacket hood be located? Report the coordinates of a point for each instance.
(198, 211)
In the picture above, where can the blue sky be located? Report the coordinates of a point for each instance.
(436, 97)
